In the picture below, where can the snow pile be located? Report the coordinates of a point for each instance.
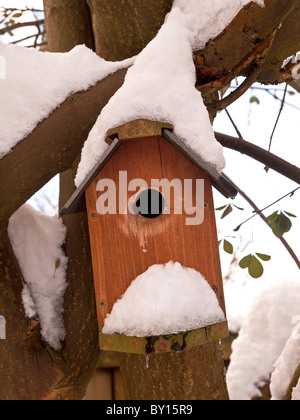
(262, 338)
(38, 82)
(36, 240)
(286, 366)
(296, 392)
(239, 294)
(161, 84)
(166, 299)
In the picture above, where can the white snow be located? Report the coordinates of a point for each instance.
(286, 365)
(37, 240)
(239, 291)
(161, 84)
(262, 338)
(296, 392)
(34, 83)
(166, 299)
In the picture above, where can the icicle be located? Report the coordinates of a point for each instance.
(147, 361)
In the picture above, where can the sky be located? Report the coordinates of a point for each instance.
(256, 123)
(22, 32)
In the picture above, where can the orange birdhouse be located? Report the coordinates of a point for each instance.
(149, 201)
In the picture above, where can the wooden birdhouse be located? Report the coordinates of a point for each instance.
(127, 236)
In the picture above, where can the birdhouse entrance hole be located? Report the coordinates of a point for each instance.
(149, 204)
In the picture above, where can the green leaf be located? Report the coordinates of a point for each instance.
(221, 208)
(254, 99)
(245, 262)
(17, 15)
(272, 218)
(57, 263)
(227, 211)
(279, 223)
(239, 208)
(228, 247)
(255, 268)
(289, 214)
(263, 257)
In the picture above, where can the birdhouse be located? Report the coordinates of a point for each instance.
(137, 219)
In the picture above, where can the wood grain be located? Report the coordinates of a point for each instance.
(125, 245)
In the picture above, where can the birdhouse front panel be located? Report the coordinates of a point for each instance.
(125, 244)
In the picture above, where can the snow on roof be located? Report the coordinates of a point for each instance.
(161, 84)
(166, 299)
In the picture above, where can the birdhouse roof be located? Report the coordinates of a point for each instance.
(75, 203)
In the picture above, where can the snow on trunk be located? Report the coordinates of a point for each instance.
(37, 240)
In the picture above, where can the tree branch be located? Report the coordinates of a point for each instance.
(263, 217)
(236, 94)
(27, 168)
(261, 155)
(260, 54)
(21, 25)
(229, 53)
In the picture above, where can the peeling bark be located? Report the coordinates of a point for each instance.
(233, 51)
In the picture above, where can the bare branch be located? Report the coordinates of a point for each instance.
(28, 168)
(11, 28)
(264, 218)
(261, 155)
(236, 94)
(290, 194)
(279, 115)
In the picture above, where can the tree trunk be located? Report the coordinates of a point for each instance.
(122, 28)
(194, 374)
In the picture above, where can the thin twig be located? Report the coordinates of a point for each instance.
(278, 117)
(23, 39)
(267, 207)
(263, 217)
(234, 124)
(237, 93)
(21, 25)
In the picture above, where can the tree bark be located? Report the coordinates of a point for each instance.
(122, 28)
(27, 369)
(233, 51)
(68, 24)
(194, 374)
